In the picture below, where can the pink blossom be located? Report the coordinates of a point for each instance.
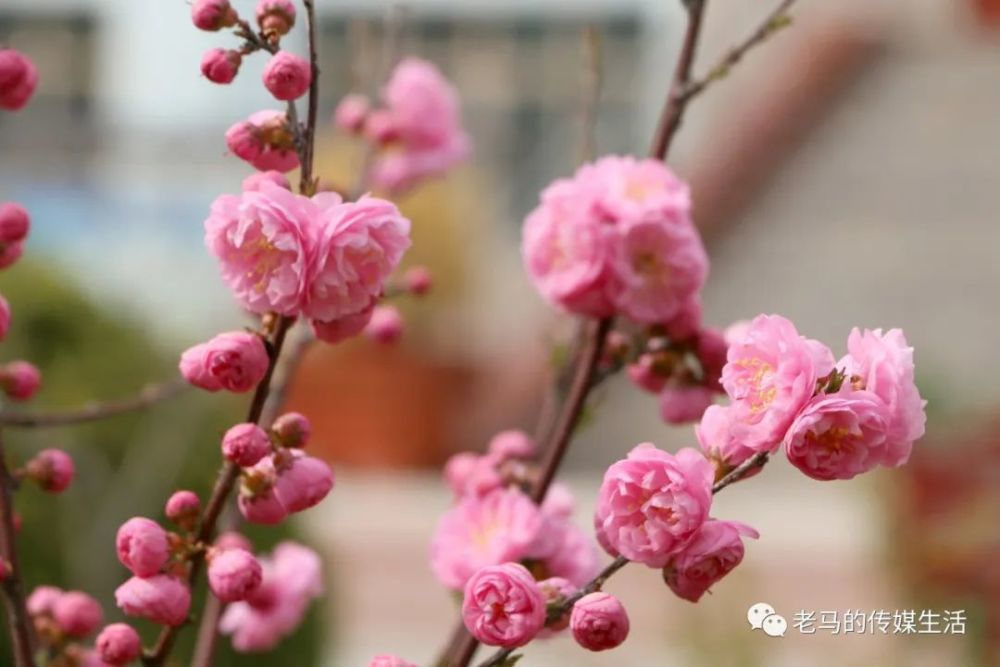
(161, 599)
(234, 361)
(265, 140)
(883, 364)
(380, 127)
(10, 253)
(287, 76)
(18, 79)
(4, 318)
(254, 182)
(142, 546)
(770, 375)
(118, 644)
(14, 221)
(345, 327)
(360, 244)
(386, 325)
(500, 526)
(631, 189)
(183, 508)
(262, 240)
(574, 557)
(275, 16)
(42, 599)
(599, 622)
(52, 470)
(399, 171)
(418, 280)
(292, 429)
(221, 65)
(386, 660)
(245, 444)
(680, 404)
(652, 502)
(715, 436)
(686, 324)
(233, 574)
(839, 436)
(646, 373)
(351, 113)
(77, 613)
(466, 473)
(213, 15)
(512, 444)
(292, 577)
(423, 104)
(303, 481)
(20, 380)
(503, 606)
(711, 554)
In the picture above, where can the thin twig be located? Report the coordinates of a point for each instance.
(21, 629)
(591, 92)
(146, 397)
(306, 182)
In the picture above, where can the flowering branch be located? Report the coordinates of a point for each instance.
(148, 396)
(13, 587)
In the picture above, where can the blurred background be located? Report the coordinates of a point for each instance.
(844, 175)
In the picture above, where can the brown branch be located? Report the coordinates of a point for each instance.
(21, 629)
(307, 184)
(146, 397)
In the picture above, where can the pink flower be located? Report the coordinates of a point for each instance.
(477, 532)
(360, 244)
(183, 508)
(10, 253)
(632, 189)
(221, 65)
(770, 375)
(235, 361)
(883, 364)
(385, 326)
(42, 599)
(386, 660)
(14, 221)
(652, 502)
(599, 622)
(303, 481)
(18, 79)
(52, 470)
(118, 644)
(717, 442)
(265, 140)
(512, 444)
(687, 322)
(343, 328)
(840, 435)
(213, 15)
(423, 104)
(161, 599)
(380, 127)
(245, 444)
(233, 574)
(503, 606)
(399, 171)
(574, 557)
(351, 113)
(681, 404)
(292, 577)
(4, 318)
(645, 374)
(287, 76)
(466, 473)
(711, 554)
(142, 546)
(275, 16)
(77, 613)
(20, 380)
(255, 182)
(711, 350)
(292, 429)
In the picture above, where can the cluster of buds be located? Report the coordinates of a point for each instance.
(63, 619)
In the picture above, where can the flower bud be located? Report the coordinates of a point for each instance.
(303, 483)
(386, 325)
(213, 15)
(417, 280)
(221, 65)
(14, 222)
(512, 444)
(646, 374)
(275, 17)
(18, 79)
(42, 599)
(233, 574)
(387, 660)
(343, 328)
(10, 253)
(245, 445)
(292, 429)
(233, 540)
(77, 613)
(4, 318)
(20, 380)
(118, 644)
(599, 622)
(244, 141)
(681, 405)
(351, 113)
(287, 76)
(142, 546)
(234, 361)
(51, 469)
(503, 606)
(380, 127)
(262, 508)
(183, 508)
(161, 599)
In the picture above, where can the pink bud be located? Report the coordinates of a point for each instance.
(142, 546)
(233, 574)
(245, 444)
(4, 318)
(14, 222)
(161, 598)
(303, 483)
(503, 606)
(386, 660)
(221, 65)
(292, 429)
(51, 469)
(681, 405)
(234, 361)
(77, 613)
(10, 253)
(386, 325)
(275, 16)
(254, 182)
(287, 76)
(687, 322)
(512, 444)
(18, 79)
(233, 540)
(351, 113)
(380, 127)
(42, 599)
(20, 380)
(341, 329)
(118, 644)
(645, 375)
(213, 15)
(262, 508)
(183, 508)
(599, 622)
(418, 280)
(244, 141)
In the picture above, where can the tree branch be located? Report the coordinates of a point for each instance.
(21, 629)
